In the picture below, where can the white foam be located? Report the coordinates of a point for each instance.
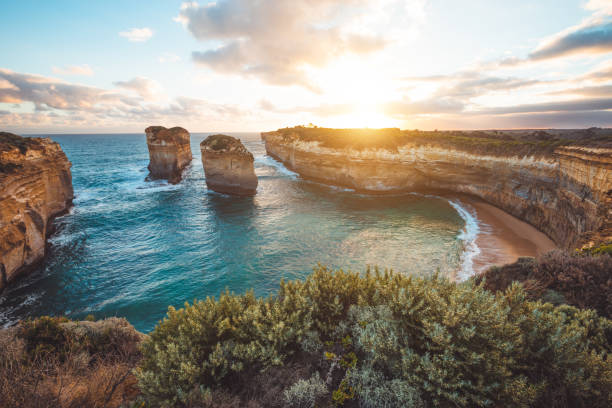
(278, 166)
(468, 235)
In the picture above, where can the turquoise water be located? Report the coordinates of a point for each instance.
(131, 248)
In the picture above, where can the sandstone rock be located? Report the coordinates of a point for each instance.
(228, 165)
(36, 186)
(169, 152)
(566, 194)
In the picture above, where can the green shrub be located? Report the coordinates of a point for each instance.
(376, 391)
(581, 280)
(304, 393)
(427, 341)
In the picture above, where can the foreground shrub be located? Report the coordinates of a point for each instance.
(304, 393)
(54, 362)
(581, 280)
(390, 340)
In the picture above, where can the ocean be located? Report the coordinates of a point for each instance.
(131, 247)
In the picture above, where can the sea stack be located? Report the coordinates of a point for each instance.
(228, 166)
(169, 152)
(36, 187)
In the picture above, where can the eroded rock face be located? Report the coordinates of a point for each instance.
(228, 166)
(36, 186)
(566, 194)
(169, 152)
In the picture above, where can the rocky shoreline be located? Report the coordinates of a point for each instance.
(36, 187)
(564, 190)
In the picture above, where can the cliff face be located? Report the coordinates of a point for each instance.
(566, 194)
(228, 166)
(36, 186)
(169, 152)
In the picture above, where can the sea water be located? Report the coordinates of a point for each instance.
(131, 247)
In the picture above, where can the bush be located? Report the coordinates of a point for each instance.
(46, 362)
(304, 393)
(427, 341)
(581, 280)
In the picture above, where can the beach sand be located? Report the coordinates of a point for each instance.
(503, 238)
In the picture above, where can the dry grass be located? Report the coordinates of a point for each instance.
(71, 379)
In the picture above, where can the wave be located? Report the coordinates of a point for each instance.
(468, 235)
(278, 166)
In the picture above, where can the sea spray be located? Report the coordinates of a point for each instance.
(278, 166)
(468, 235)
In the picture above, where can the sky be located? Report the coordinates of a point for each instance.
(246, 65)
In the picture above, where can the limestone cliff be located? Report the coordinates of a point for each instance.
(36, 186)
(228, 166)
(563, 189)
(169, 152)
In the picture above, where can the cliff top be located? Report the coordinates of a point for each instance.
(15, 150)
(175, 135)
(492, 142)
(224, 144)
(10, 141)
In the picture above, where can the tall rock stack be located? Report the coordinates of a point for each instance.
(228, 166)
(36, 186)
(169, 152)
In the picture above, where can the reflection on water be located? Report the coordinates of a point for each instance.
(131, 248)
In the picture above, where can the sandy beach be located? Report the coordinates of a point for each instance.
(503, 238)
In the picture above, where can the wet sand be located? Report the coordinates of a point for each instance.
(503, 238)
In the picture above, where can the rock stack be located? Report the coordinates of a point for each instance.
(169, 152)
(228, 166)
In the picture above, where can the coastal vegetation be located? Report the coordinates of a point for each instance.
(378, 339)
(582, 279)
(492, 142)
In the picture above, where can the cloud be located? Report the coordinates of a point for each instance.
(52, 93)
(84, 69)
(601, 73)
(600, 7)
(590, 38)
(467, 84)
(593, 104)
(145, 87)
(592, 91)
(55, 103)
(435, 105)
(137, 34)
(278, 41)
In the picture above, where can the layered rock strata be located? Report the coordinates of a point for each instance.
(35, 187)
(565, 192)
(228, 166)
(169, 152)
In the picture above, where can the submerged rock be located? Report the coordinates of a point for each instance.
(228, 165)
(36, 187)
(169, 152)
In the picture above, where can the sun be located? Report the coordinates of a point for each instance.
(362, 87)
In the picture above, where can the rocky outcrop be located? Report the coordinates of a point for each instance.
(564, 191)
(228, 166)
(36, 186)
(169, 152)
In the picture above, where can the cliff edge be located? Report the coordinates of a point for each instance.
(169, 152)
(560, 181)
(228, 165)
(36, 187)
